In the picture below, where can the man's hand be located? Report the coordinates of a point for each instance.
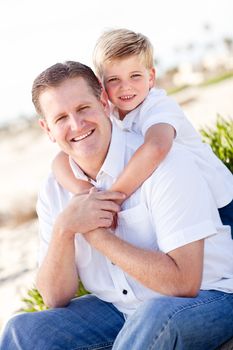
(86, 212)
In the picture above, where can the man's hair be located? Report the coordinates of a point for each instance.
(121, 43)
(57, 74)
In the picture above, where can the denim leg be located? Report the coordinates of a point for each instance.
(86, 323)
(171, 323)
(226, 215)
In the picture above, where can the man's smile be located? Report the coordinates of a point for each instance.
(83, 136)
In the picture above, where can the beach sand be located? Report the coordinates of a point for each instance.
(25, 160)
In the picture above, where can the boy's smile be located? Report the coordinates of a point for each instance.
(127, 82)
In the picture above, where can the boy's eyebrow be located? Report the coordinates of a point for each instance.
(116, 75)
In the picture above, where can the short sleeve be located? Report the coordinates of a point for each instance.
(181, 206)
(45, 222)
(51, 200)
(161, 110)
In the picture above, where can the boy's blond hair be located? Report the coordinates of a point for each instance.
(121, 43)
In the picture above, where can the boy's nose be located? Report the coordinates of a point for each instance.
(125, 85)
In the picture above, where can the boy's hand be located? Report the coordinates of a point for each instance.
(114, 221)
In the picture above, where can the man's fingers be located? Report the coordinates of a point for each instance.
(110, 206)
(105, 222)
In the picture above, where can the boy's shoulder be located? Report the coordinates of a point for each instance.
(155, 96)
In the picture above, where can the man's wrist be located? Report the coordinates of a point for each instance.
(97, 235)
(62, 230)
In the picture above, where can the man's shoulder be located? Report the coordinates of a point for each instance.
(178, 164)
(51, 191)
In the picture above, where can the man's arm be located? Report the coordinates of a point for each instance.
(177, 273)
(179, 210)
(57, 277)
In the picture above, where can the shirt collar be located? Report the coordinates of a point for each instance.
(132, 116)
(114, 161)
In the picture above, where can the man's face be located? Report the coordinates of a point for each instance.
(77, 121)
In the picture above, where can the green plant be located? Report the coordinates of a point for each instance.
(34, 302)
(220, 138)
(217, 79)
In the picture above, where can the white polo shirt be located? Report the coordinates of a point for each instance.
(160, 108)
(172, 208)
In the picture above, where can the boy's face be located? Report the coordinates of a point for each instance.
(127, 82)
(77, 121)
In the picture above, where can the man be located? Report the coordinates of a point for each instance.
(162, 280)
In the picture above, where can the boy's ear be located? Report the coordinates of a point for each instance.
(44, 126)
(152, 77)
(104, 101)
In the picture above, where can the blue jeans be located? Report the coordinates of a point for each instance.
(88, 323)
(226, 214)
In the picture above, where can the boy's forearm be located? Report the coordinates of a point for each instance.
(65, 176)
(157, 143)
(142, 164)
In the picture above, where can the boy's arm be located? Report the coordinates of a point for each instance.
(157, 144)
(64, 175)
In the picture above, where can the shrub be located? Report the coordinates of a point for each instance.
(220, 138)
(34, 302)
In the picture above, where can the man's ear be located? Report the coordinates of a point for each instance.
(104, 101)
(152, 77)
(44, 126)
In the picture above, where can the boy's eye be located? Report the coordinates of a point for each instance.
(135, 75)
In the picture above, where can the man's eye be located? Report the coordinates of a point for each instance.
(83, 108)
(59, 119)
(112, 80)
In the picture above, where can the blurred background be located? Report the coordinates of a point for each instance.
(193, 45)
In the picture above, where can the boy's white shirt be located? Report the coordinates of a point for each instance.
(160, 108)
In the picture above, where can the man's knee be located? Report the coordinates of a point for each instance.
(16, 323)
(13, 331)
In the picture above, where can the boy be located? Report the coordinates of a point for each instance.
(123, 62)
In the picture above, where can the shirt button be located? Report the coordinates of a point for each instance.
(124, 291)
(113, 263)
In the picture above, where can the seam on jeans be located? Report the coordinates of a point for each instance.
(106, 345)
(189, 306)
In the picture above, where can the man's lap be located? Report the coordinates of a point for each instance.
(86, 322)
(89, 323)
(203, 322)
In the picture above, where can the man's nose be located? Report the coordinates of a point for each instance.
(76, 122)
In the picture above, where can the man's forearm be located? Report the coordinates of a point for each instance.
(57, 278)
(170, 274)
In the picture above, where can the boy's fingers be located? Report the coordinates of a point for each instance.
(114, 221)
(93, 189)
(108, 195)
